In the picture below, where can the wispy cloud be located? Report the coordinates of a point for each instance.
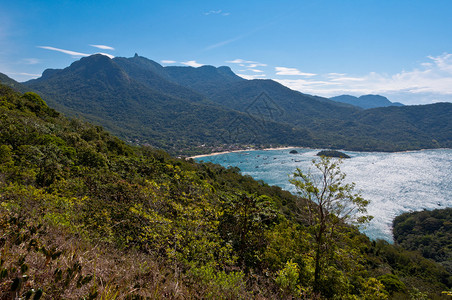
(291, 72)
(30, 61)
(250, 64)
(240, 61)
(24, 74)
(335, 75)
(225, 42)
(106, 54)
(431, 81)
(168, 61)
(192, 63)
(216, 12)
(251, 77)
(72, 53)
(103, 47)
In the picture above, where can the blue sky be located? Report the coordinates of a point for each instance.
(399, 49)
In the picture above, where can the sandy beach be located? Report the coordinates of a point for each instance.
(232, 151)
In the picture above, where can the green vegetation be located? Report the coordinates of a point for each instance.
(429, 232)
(332, 153)
(328, 202)
(85, 216)
(157, 112)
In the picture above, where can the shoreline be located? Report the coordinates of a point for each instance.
(293, 147)
(242, 150)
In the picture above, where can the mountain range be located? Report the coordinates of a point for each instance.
(366, 101)
(191, 110)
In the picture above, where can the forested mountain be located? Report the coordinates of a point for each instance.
(366, 101)
(192, 110)
(139, 107)
(83, 215)
(154, 76)
(203, 79)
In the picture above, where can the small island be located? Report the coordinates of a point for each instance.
(293, 152)
(332, 153)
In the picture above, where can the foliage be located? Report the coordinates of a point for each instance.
(429, 232)
(332, 153)
(392, 283)
(287, 278)
(84, 215)
(154, 112)
(328, 202)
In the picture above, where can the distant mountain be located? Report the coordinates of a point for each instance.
(136, 103)
(366, 101)
(181, 109)
(288, 106)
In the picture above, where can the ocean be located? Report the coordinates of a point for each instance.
(393, 182)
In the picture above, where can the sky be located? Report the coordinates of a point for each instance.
(398, 49)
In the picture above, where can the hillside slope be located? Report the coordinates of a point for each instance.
(100, 90)
(84, 215)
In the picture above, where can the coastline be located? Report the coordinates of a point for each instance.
(293, 147)
(242, 150)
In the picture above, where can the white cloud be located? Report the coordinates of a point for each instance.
(192, 63)
(217, 12)
(24, 74)
(30, 61)
(345, 79)
(250, 64)
(212, 12)
(103, 47)
(253, 65)
(335, 75)
(72, 53)
(106, 54)
(223, 43)
(251, 77)
(430, 82)
(168, 61)
(240, 61)
(291, 72)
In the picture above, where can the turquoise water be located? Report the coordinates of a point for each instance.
(393, 182)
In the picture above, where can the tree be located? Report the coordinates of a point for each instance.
(328, 202)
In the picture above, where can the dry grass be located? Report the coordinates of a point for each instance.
(26, 253)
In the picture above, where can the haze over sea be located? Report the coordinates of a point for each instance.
(393, 182)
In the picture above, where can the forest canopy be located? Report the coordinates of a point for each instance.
(85, 215)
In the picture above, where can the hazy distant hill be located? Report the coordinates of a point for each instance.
(185, 107)
(366, 101)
